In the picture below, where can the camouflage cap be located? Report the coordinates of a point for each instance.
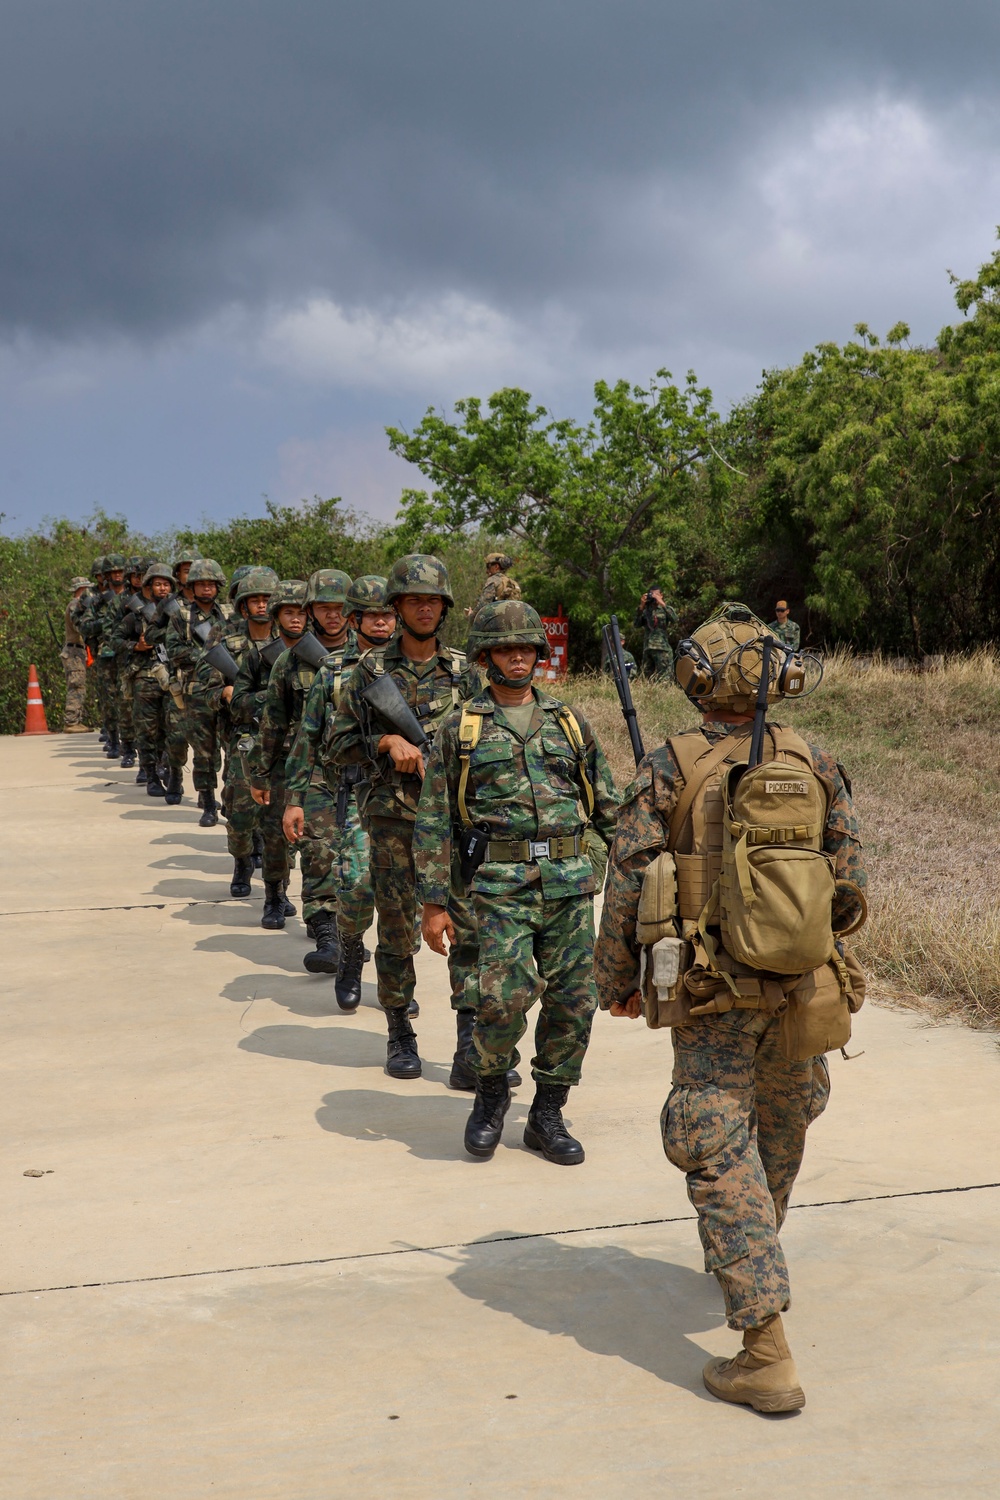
(287, 591)
(328, 586)
(500, 558)
(158, 570)
(114, 563)
(255, 581)
(189, 555)
(368, 592)
(78, 583)
(507, 622)
(418, 573)
(718, 665)
(237, 574)
(206, 570)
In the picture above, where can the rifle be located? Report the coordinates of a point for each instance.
(52, 628)
(616, 658)
(310, 650)
(760, 707)
(383, 696)
(269, 651)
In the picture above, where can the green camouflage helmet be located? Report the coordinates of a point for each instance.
(418, 573)
(114, 563)
(368, 592)
(189, 555)
(97, 571)
(138, 565)
(255, 581)
(234, 582)
(328, 586)
(206, 570)
(500, 558)
(288, 591)
(158, 570)
(507, 622)
(78, 583)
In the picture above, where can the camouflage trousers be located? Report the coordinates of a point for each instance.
(275, 863)
(335, 873)
(392, 874)
(177, 734)
(243, 816)
(150, 717)
(205, 729)
(658, 663)
(735, 1123)
(107, 695)
(126, 705)
(74, 660)
(534, 948)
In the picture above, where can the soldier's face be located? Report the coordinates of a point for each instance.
(205, 591)
(329, 617)
(116, 575)
(292, 619)
(79, 593)
(181, 574)
(377, 624)
(517, 662)
(420, 612)
(492, 568)
(159, 588)
(781, 613)
(254, 606)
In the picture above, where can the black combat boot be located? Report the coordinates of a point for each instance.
(545, 1131)
(128, 755)
(112, 749)
(154, 786)
(201, 799)
(242, 871)
(413, 1009)
(286, 905)
(326, 959)
(258, 849)
(402, 1059)
(210, 816)
(484, 1126)
(102, 737)
(348, 982)
(462, 1075)
(141, 776)
(273, 915)
(175, 787)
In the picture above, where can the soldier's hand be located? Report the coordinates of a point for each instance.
(435, 926)
(293, 824)
(262, 798)
(642, 601)
(405, 757)
(227, 694)
(632, 1007)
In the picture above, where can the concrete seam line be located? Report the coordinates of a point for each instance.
(56, 911)
(500, 1239)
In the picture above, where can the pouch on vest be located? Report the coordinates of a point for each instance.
(776, 889)
(665, 1000)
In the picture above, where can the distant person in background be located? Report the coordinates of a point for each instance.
(74, 660)
(654, 617)
(785, 629)
(498, 585)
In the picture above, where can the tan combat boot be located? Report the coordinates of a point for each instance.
(763, 1374)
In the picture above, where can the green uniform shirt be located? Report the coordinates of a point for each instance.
(655, 620)
(288, 688)
(789, 633)
(311, 754)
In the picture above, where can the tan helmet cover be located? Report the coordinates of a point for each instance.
(718, 666)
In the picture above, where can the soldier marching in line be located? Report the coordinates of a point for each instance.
(184, 649)
(74, 659)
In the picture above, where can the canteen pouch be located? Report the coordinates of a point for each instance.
(817, 1017)
(665, 1001)
(655, 917)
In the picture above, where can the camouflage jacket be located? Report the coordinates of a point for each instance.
(184, 650)
(789, 633)
(642, 833)
(71, 633)
(310, 755)
(655, 621)
(208, 683)
(246, 707)
(520, 789)
(497, 586)
(432, 689)
(288, 688)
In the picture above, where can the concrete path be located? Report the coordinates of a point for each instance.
(257, 1267)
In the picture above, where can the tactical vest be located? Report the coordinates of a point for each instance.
(470, 729)
(433, 711)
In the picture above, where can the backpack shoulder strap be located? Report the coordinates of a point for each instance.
(456, 661)
(573, 733)
(696, 762)
(470, 729)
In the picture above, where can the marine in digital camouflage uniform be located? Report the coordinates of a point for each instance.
(432, 681)
(251, 624)
(74, 659)
(347, 901)
(655, 618)
(535, 779)
(788, 633)
(206, 725)
(736, 1117)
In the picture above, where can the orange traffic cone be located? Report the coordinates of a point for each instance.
(34, 718)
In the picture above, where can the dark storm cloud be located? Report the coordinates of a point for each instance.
(160, 160)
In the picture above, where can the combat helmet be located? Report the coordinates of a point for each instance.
(234, 582)
(97, 568)
(189, 555)
(114, 563)
(206, 570)
(158, 570)
(502, 560)
(719, 664)
(418, 573)
(367, 592)
(328, 586)
(507, 622)
(137, 565)
(255, 581)
(287, 591)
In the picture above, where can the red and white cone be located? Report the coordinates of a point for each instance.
(34, 718)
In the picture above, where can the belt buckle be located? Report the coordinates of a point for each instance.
(538, 849)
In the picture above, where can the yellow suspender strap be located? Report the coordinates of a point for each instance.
(571, 729)
(469, 729)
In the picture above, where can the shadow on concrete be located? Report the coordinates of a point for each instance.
(301, 995)
(610, 1301)
(431, 1127)
(342, 1046)
(194, 890)
(272, 950)
(209, 864)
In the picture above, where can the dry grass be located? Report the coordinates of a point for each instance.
(922, 753)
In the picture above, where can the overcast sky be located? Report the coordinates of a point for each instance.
(238, 237)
